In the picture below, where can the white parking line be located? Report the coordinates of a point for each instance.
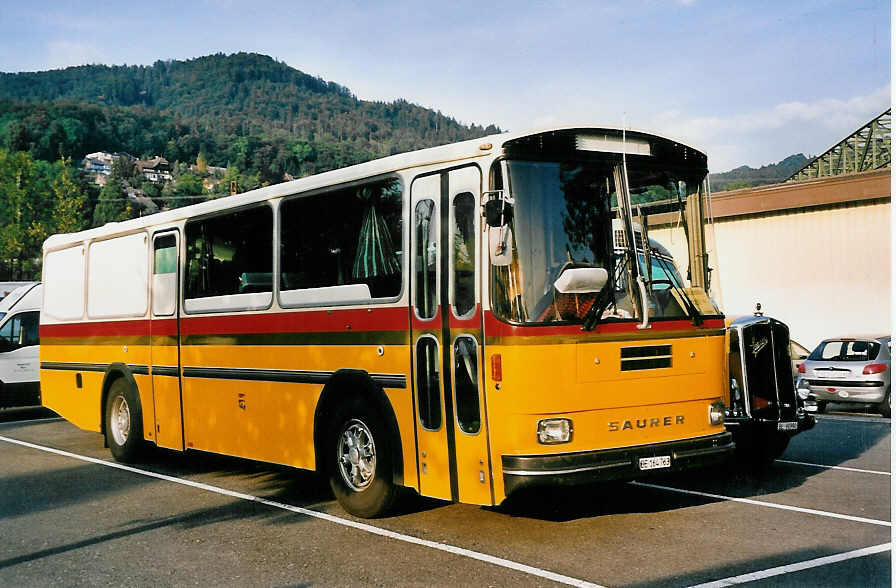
(805, 565)
(830, 467)
(852, 418)
(31, 421)
(823, 513)
(505, 563)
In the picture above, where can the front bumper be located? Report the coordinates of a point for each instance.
(746, 426)
(568, 469)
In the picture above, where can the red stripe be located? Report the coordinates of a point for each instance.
(316, 321)
(164, 327)
(374, 319)
(136, 328)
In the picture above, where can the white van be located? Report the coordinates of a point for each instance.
(20, 346)
(7, 288)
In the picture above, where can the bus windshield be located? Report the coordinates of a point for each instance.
(565, 216)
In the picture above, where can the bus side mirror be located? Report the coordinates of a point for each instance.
(498, 212)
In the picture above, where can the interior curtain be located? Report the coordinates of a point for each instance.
(375, 255)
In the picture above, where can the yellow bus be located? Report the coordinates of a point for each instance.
(457, 320)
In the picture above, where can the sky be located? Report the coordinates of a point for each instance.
(748, 82)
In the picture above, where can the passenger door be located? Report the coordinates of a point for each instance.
(447, 337)
(165, 341)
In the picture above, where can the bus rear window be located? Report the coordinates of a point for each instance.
(845, 351)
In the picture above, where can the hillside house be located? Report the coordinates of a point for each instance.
(155, 170)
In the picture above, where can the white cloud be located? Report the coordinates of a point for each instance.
(67, 53)
(766, 136)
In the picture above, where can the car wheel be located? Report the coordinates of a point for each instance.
(884, 407)
(360, 463)
(124, 422)
(822, 406)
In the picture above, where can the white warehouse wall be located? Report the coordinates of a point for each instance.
(823, 271)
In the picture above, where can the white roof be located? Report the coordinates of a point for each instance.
(464, 150)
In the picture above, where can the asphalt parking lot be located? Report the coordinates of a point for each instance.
(819, 516)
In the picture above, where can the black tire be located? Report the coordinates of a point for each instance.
(775, 445)
(759, 449)
(124, 422)
(359, 461)
(822, 406)
(884, 407)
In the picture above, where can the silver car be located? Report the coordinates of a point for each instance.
(848, 369)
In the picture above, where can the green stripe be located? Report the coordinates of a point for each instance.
(346, 338)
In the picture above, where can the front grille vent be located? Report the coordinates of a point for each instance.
(649, 357)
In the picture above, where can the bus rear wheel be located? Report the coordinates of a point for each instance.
(360, 463)
(124, 422)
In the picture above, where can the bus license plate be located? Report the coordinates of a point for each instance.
(787, 426)
(653, 463)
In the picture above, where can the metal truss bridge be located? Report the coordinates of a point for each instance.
(866, 149)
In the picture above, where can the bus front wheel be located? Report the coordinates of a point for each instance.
(360, 463)
(124, 422)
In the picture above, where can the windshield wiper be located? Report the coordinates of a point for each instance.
(592, 317)
(691, 309)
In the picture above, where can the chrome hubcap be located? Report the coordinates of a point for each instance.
(357, 455)
(121, 420)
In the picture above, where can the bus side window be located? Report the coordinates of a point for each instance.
(427, 259)
(230, 254)
(464, 254)
(342, 246)
(428, 384)
(466, 385)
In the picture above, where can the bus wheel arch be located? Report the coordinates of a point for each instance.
(121, 396)
(354, 413)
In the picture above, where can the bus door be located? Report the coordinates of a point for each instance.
(165, 341)
(452, 437)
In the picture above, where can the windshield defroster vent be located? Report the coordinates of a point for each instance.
(649, 357)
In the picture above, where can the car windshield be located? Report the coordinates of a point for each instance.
(845, 350)
(564, 217)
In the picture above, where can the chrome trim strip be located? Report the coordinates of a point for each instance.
(603, 466)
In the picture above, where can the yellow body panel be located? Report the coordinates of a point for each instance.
(435, 475)
(167, 407)
(82, 406)
(273, 421)
(609, 408)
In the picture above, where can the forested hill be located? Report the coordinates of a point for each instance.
(262, 120)
(245, 110)
(746, 177)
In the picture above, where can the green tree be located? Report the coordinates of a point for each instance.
(69, 202)
(16, 181)
(24, 213)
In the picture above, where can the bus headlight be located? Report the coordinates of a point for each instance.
(553, 431)
(717, 413)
